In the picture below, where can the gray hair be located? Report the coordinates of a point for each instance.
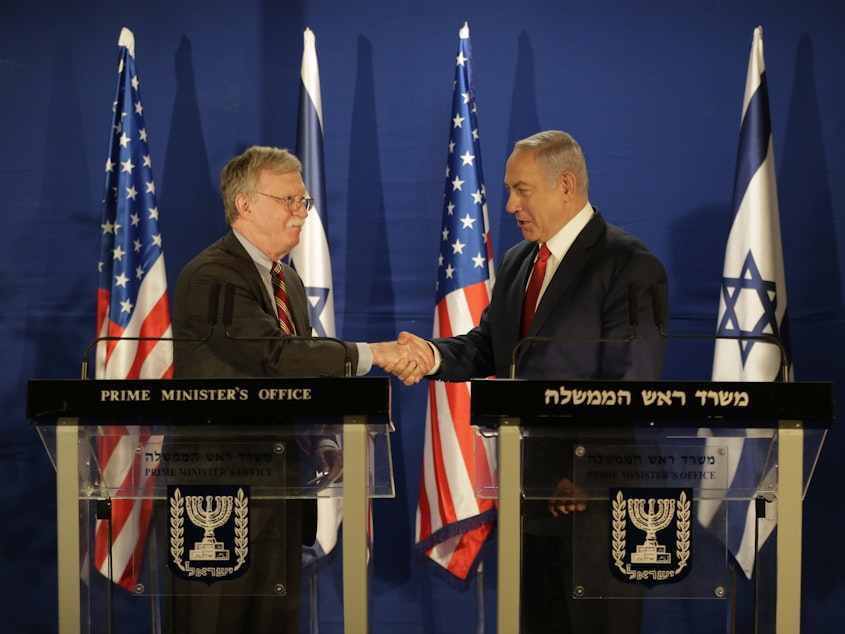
(557, 152)
(241, 173)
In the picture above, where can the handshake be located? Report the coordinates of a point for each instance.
(409, 358)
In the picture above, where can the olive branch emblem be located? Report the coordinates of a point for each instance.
(619, 513)
(177, 531)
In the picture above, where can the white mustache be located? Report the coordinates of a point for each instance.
(295, 221)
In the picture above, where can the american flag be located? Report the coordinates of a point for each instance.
(753, 299)
(452, 524)
(312, 261)
(132, 302)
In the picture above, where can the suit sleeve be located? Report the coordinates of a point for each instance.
(467, 356)
(251, 344)
(486, 349)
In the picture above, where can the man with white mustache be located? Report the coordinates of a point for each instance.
(266, 205)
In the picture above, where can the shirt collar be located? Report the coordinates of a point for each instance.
(261, 261)
(559, 243)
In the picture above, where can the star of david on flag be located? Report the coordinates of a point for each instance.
(452, 524)
(311, 257)
(312, 261)
(752, 304)
(745, 297)
(753, 298)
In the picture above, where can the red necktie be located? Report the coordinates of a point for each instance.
(282, 306)
(532, 293)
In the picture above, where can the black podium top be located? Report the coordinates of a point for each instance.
(720, 404)
(208, 401)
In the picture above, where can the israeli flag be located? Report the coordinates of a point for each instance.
(311, 260)
(310, 257)
(753, 299)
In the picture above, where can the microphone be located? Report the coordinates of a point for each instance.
(659, 301)
(634, 305)
(213, 299)
(633, 321)
(228, 315)
(212, 322)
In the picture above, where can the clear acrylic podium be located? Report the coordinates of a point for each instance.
(667, 472)
(213, 460)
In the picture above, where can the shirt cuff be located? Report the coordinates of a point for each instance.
(365, 358)
(438, 359)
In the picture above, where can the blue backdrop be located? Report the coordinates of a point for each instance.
(653, 91)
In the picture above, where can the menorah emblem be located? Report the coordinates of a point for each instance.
(662, 512)
(213, 514)
(651, 521)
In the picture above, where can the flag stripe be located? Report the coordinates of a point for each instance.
(312, 261)
(154, 324)
(439, 462)
(132, 301)
(457, 446)
(752, 303)
(452, 524)
(311, 256)
(754, 136)
(477, 298)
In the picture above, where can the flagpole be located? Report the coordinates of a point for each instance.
(314, 603)
(480, 601)
(312, 261)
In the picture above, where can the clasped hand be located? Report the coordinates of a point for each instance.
(409, 358)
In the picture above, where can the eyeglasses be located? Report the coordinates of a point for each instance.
(292, 202)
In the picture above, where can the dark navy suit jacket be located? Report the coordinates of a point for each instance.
(588, 298)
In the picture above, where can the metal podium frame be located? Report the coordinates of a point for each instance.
(357, 404)
(789, 408)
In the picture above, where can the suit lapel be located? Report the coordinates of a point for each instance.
(250, 272)
(576, 258)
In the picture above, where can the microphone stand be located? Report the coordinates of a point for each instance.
(633, 321)
(526, 340)
(658, 299)
(212, 322)
(228, 310)
(84, 362)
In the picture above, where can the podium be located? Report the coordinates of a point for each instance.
(666, 473)
(216, 462)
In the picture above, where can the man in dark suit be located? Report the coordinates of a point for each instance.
(266, 205)
(594, 274)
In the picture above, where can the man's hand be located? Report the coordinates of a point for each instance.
(409, 358)
(419, 348)
(328, 460)
(567, 498)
